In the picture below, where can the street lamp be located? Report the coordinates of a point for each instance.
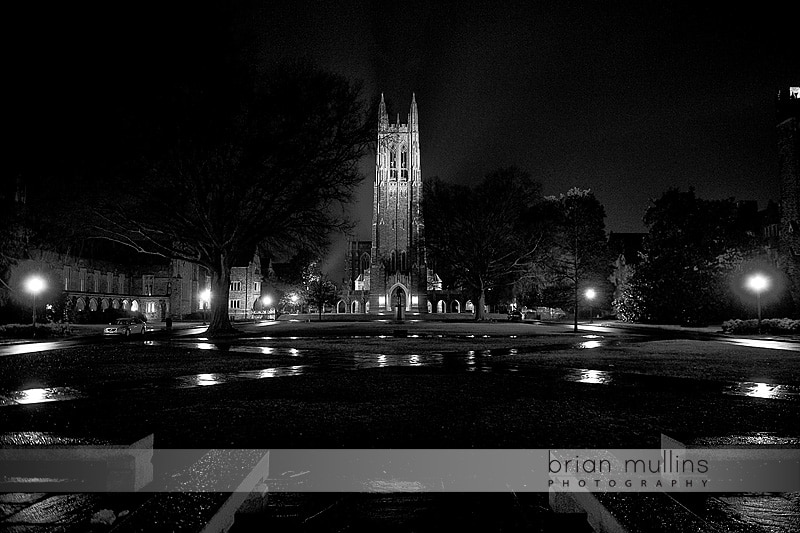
(205, 297)
(758, 282)
(590, 294)
(34, 285)
(266, 300)
(294, 299)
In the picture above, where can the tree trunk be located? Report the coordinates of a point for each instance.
(480, 308)
(575, 326)
(220, 323)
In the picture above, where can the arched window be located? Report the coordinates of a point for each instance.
(403, 264)
(364, 263)
(393, 262)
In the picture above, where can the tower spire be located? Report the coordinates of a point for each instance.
(412, 116)
(383, 117)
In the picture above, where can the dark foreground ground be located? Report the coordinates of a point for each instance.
(304, 386)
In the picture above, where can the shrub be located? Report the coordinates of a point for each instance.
(25, 331)
(778, 326)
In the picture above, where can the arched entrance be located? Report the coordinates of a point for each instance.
(399, 295)
(354, 307)
(456, 306)
(441, 307)
(341, 307)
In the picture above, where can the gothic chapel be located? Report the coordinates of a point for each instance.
(390, 269)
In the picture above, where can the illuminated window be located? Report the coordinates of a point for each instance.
(404, 164)
(236, 285)
(234, 304)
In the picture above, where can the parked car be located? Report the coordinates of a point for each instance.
(515, 315)
(126, 327)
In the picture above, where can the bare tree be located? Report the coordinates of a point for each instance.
(267, 163)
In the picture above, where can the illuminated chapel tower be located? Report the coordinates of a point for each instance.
(397, 260)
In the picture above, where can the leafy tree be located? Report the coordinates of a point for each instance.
(265, 161)
(319, 290)
(577, 253)
(692, 250)
(483, 237)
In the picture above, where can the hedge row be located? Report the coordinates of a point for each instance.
(768, 325)
(25, 331)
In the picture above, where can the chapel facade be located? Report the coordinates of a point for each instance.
(390, 270)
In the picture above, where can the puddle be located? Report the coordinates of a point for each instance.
(38, 395)
(589, 345)
(761, 438)
(771, 391)
(205, 380)
(586, 375)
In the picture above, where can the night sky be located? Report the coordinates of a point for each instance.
(625, 98)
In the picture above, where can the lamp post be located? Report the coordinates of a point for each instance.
(34, 285)
(205, 297)
(590, 294)
(758, 282)
(266, 300)
(294, 299)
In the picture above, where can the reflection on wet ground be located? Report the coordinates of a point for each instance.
(203, 380)
(485, 360)
(585, 375)
(759, 438)
(768, 344)
(38, 395)
(763, 390)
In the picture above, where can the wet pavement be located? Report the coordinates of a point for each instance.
(424, 512)
(505, 360)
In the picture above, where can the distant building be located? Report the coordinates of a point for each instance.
(170, 288)
(82, 284)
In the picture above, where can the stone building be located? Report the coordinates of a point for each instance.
(245, 289)
(390, 270)
(157, 290)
